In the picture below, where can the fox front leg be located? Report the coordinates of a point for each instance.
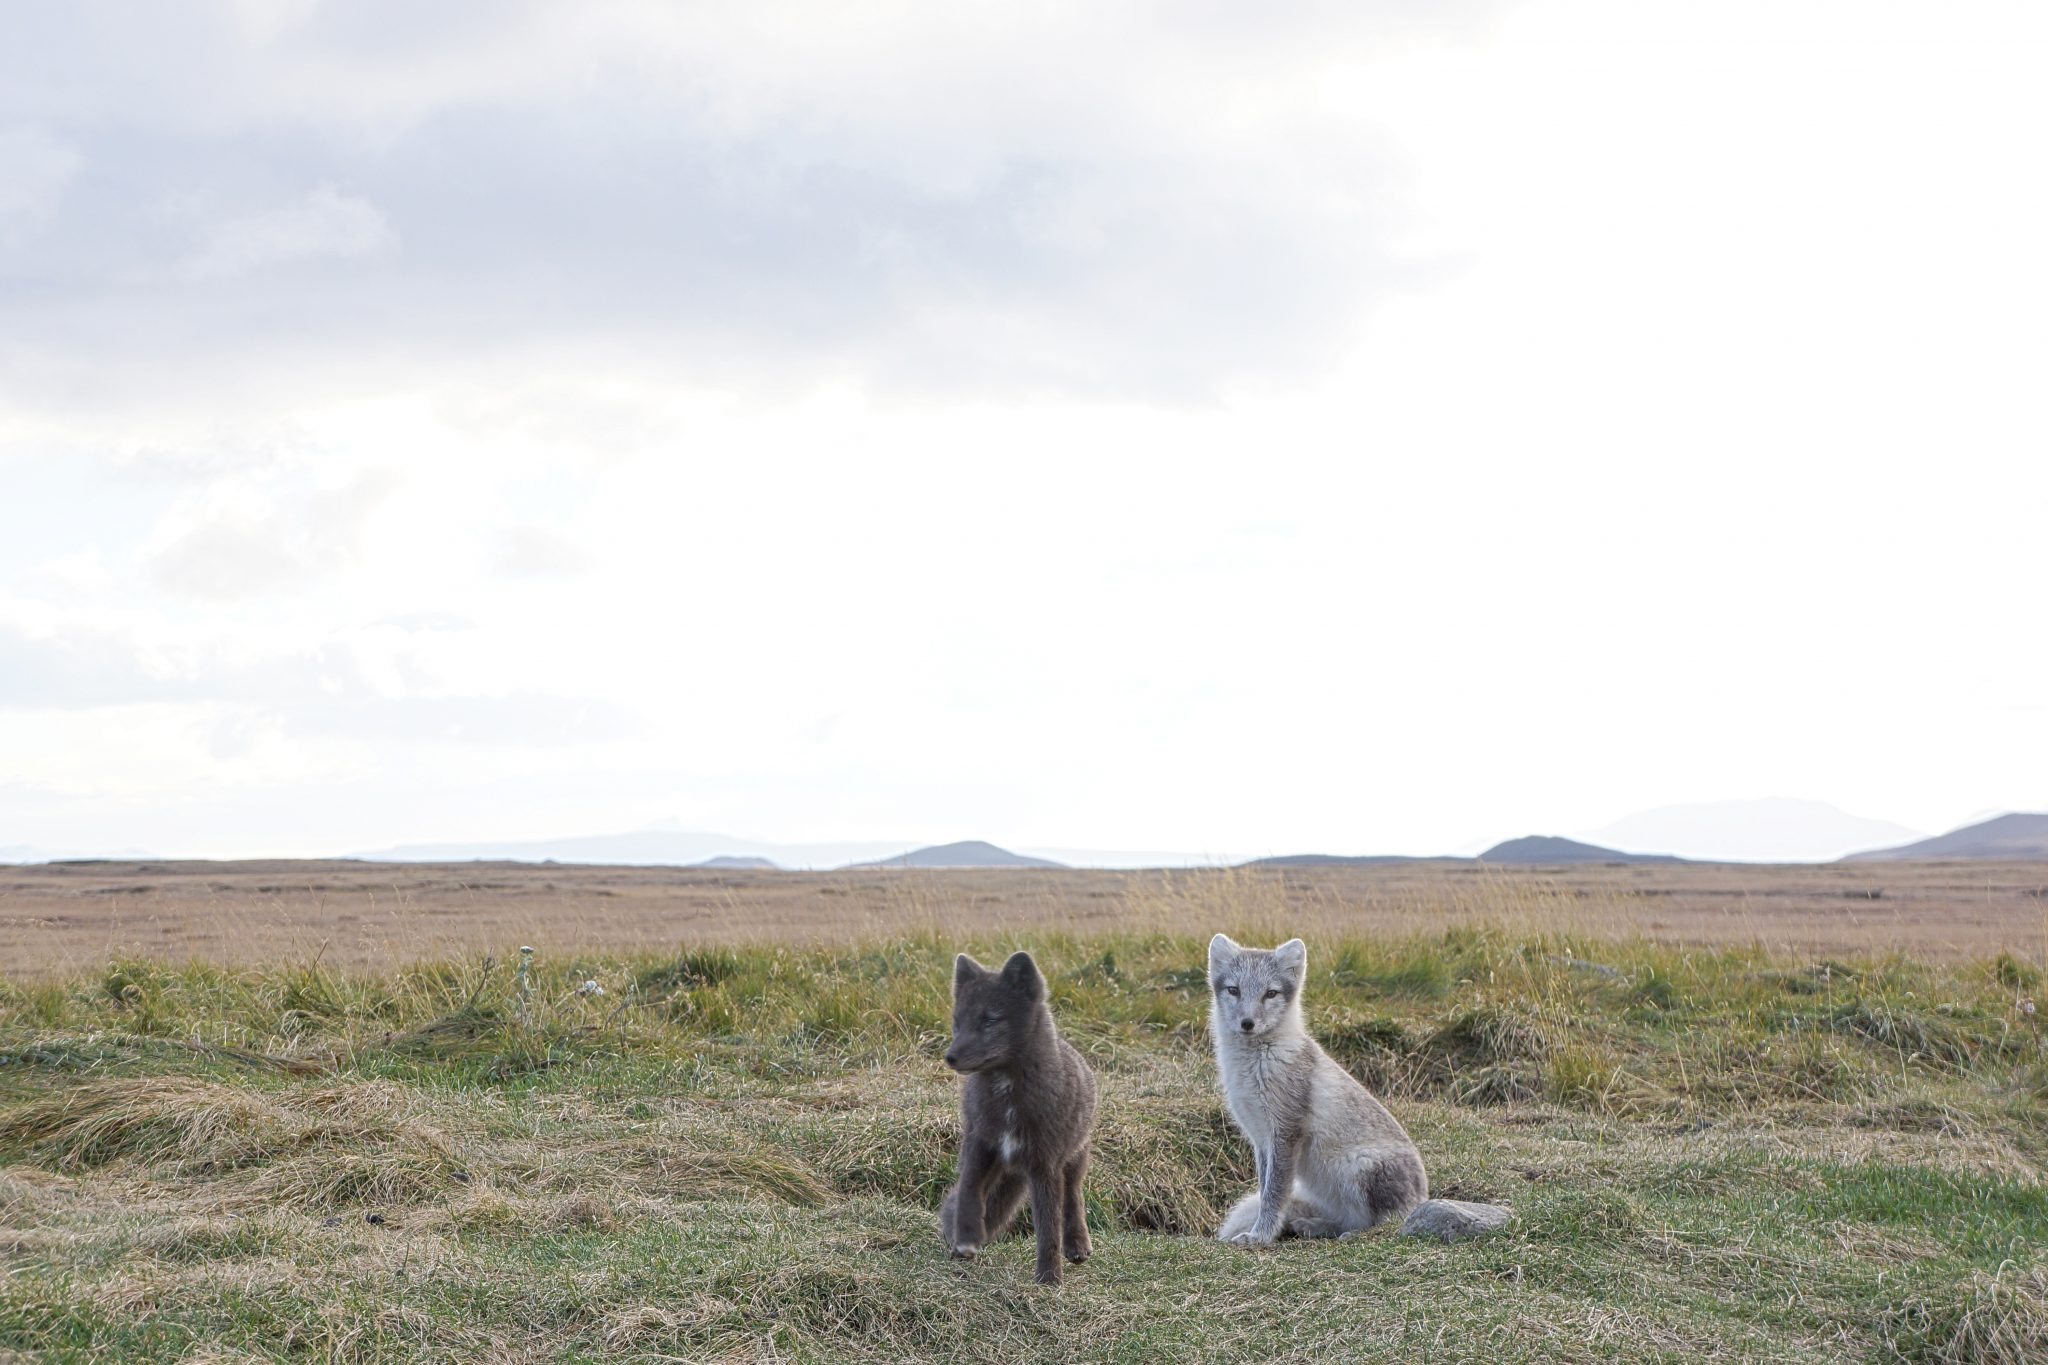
(1276, 1183)
(1249, 1223)
(965, 1231)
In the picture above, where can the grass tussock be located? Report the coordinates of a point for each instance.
(200, 1124)
(1994, 1317)
(327, 1147)
(1914, 1035)
(680, 1167)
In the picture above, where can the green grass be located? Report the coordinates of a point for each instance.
(736, 1154)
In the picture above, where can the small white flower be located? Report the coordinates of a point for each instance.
(590, 988)
(2027, 1008)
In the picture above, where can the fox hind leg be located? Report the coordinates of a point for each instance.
(1075, 1244)
(1306, 1220)
(1005, 1195)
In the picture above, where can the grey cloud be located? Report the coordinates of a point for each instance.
(1070, 242)
(325, 223)
(35, 170)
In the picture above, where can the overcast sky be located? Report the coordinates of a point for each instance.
(1359, 427)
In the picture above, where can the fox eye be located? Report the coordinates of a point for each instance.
(988, 1020)
(1231, 989)
(1271, 994)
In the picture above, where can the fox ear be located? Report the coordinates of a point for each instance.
(965, 969)
(1021, 973)
(1292, 957)
(1220, 947)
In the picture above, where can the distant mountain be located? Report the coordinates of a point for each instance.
(1132, 858)
(2021, 836)
(968, 853)
(666, 847)
(1548, 850)
(642, 848)
(728, 863)
(1300, 860)
(1775, 830)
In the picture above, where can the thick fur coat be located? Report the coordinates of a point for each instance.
(1331, 1160)
(1026, 1110)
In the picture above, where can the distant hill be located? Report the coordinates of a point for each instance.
(646, 847)
(732, 863)
(1548, 849)
(1287, 860)
(967, 853)
(663, 846)
(2022, 836)
(1772, 830)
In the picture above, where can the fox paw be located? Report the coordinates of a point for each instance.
(964, 1251)
(1251, 1237)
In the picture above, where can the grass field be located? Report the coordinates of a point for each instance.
(734, 1152)
(73, 917)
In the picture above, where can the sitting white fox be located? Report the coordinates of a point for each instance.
(1331, 1159)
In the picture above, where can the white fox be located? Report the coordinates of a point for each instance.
(1331, 1159)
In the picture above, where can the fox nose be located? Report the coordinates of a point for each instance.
(1245, 1024)
(952, 1061)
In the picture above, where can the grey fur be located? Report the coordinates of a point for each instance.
(1025, 1112)
(1331, 1160)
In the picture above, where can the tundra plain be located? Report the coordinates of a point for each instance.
(66, 917)
(332, 1112)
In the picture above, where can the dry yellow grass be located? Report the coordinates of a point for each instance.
(74, 917)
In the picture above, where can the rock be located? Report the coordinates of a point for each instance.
(1453, 1220)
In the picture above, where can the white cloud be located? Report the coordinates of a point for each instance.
(326, 224)
(536, 552)
(243, 536)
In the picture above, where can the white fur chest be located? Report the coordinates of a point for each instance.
(1009, 1144)
(1251, 1073)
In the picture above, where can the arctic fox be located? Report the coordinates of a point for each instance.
(1026, 1109)
(1331, 1159)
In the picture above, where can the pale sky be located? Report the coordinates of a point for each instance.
(1346, 427)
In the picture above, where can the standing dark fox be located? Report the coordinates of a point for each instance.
(1025, 1111)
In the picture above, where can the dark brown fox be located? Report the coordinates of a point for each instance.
(1025, 1113)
